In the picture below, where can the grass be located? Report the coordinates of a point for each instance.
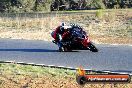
(107, 23)
(38, 20)
(14, 75)
(30, 70)
(20, 76)
(105, 10)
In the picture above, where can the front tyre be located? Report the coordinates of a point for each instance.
(92, 48)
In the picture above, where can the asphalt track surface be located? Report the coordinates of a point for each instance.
(110, 57)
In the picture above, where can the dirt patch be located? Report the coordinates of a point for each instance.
(51, 82)
(110, 40)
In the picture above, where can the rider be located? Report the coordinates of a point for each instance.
(60, 33)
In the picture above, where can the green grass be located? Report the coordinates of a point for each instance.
(17, 69)
(91, 10)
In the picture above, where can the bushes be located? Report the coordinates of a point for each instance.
(27, 5)
(43, 5)
(99, 14)
(97, 4)
(24, 5)
(4, 5)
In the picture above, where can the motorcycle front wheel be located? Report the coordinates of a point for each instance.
(92, 48)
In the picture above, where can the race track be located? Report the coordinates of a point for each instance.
(109, 57)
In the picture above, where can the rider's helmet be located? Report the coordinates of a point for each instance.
(65, 26)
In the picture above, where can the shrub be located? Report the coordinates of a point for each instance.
(99, 14)
(97, 4)
(43, 6)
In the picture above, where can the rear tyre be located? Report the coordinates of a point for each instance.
(64, 49)
(92, 48)
(61, 49)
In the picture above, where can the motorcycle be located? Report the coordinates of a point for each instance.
(76, 39)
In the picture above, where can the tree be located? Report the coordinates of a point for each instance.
(57, 5)
(42, 5)
(4, 5)
(97, 4)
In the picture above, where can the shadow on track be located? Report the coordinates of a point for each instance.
(30, 50)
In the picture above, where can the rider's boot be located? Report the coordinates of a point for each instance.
(60, 46)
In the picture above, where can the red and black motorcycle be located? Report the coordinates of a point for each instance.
(77, 39)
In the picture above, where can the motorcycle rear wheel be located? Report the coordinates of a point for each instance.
(61, 49)
(64, 49)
